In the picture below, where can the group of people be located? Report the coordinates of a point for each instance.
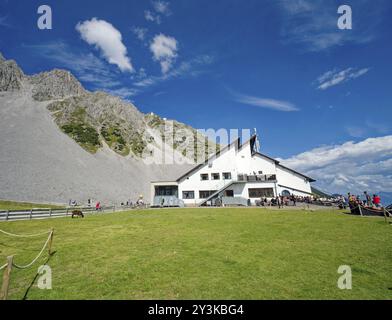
(281, 201)
(368, 201)
(74, 203)
(138, 203)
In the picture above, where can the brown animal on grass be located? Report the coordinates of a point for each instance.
(77, 213)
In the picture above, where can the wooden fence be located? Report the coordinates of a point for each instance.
(13, 215)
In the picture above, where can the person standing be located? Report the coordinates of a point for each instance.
(278, 202)
(368, 199)
(377, 201)
(162, 202)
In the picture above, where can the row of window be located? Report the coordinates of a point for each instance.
(202, 194)
(215, 176)
(255, 193)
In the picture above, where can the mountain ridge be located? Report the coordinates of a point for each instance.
(107, 118)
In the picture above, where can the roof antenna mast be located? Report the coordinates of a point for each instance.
(257, 142)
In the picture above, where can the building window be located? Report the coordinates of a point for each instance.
(188, 194)
(206, 194)
(215, 176)
(261, 193)
(227, 175)
(204, 177)
(229, 193)
(166, 191)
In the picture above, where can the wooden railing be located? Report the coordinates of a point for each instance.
(12, 215)
(257, 178)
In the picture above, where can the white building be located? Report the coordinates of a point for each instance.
(238, 174)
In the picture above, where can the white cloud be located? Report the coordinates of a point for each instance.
(313, 24)
(149, 16)
(356, 131)
(273, 104)
(161, 7)
(349, 167)
(366, 128)
(335, 77)
(108, 39)
(191, 68)
(140, 33)
(87, 67)
(164, 49)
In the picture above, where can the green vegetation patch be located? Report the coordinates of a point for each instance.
(138, 144)
(115, 140)
(84, 134)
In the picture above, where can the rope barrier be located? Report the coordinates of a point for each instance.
(37, 257)
(10, 260)
(24, 236)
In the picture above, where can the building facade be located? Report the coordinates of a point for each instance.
(237, 175)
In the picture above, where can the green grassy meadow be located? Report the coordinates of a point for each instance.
(205, 254)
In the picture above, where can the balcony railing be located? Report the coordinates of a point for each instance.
(257, 178)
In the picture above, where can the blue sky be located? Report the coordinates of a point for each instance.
(280, 66)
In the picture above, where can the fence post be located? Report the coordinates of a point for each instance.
(6, 279)
(31, 214)
(66, 214)
(6, 217)
(51, 241)
(114, 209)
(50, 212)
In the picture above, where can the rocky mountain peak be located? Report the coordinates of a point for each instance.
(55, 84)
(11, 76)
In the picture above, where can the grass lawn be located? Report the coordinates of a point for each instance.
(11, 205)
(206, 254)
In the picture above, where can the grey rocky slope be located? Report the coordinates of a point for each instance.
(56, 84)
(11, 76)
(61, 142)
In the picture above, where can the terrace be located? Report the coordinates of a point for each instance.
(257, 178)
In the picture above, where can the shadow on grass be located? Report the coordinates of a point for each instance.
(36, 276)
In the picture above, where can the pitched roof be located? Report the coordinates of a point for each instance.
(237, 143)
(284, 167)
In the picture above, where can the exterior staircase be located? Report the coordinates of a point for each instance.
(218, 192)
